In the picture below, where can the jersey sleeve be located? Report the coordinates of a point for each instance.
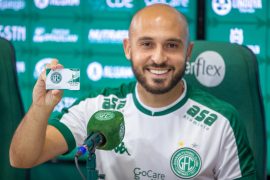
(236, 159)
(72, 124)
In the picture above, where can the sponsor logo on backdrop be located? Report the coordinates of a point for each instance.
(40, 66)
(13, 32)
(237, 36)
(20, 67)
(208, 68)
(64, 103)
(120, 3)
(150, 174)
(224, 7)
(96, 71)
(107, 35)
(42, 4)
(173, 3)
(15, 5)
(186, 163)
(56, 35)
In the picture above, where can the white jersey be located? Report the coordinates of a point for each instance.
(196, 137)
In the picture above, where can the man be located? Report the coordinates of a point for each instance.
(160, 140)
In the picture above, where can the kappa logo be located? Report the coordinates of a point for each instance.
(186, 163)
(121, 149)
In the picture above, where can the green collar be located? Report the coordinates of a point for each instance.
(163, 112)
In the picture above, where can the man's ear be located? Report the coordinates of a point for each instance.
(127, 48)
(189, 51)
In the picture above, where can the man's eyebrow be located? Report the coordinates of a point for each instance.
(175, 40)
(145, 38)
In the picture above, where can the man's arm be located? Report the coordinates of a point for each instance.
(34, 140)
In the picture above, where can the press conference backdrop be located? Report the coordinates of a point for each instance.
(88, 34)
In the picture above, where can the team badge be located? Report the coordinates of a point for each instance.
(56, 77)
(186, 163)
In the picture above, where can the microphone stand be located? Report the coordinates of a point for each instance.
(92, 173)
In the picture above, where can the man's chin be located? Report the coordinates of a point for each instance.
(157, 89)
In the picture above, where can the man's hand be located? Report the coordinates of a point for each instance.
(43, 97)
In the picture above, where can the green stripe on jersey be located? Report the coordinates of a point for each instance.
(230, 113)
(65, 132)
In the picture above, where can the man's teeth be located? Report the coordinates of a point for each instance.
(158, 71)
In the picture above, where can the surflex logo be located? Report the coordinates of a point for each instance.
(208, 68)
(200, 117)
(186, 163)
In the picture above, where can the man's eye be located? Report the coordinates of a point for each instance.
(172, 45)
(146, 44)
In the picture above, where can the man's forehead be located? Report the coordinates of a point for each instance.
(157, 17)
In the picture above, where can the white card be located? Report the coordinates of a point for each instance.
(68, 78)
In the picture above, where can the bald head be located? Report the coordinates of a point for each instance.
(159, 16)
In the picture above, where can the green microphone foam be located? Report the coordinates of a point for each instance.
(110, 124)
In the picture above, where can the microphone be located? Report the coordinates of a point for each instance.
(105, 129)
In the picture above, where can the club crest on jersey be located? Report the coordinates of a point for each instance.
(186, 163)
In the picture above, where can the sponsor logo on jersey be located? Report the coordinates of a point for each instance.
(186, 163)
(237, 36)
(113, 103)
(56, 35)
(121, 148)
(15, 5)
(120, 3)
(96, 71)
(147, 174)
(200, 117)
(42, 4)
(13, 32)
(209, 68)
(107, 35)
(224, 7)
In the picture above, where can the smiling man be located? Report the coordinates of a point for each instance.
(172, 130)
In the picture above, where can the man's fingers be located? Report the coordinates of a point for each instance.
(53, 65)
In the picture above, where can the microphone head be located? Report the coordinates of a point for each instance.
(110, 124)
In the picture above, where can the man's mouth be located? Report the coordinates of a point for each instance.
(159, 71)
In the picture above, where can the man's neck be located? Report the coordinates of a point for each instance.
(160, 100)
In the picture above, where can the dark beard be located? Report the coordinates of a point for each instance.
(141, 79)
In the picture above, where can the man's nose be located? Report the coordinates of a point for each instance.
(159, 56)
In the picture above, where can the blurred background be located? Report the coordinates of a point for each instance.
(87, 34)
